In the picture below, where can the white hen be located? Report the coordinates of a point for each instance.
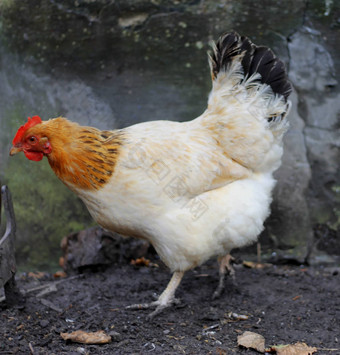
(194, 190)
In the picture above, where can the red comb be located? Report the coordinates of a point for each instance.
(30, 123)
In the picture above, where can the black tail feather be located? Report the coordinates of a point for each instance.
(256, 59)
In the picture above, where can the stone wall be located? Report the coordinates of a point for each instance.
(115, 63)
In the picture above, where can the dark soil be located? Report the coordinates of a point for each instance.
(285, 304)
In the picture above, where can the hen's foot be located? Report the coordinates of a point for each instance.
(158, 305)
(226, 267)
(165, 300)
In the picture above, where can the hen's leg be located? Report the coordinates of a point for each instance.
(166, 299)
(225, 267)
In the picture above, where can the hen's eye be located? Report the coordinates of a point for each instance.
(32, 140)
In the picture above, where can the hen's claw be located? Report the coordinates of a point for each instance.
(220, 288)
(139, 306)
(159, 307)
(165, 300)
(225, 267)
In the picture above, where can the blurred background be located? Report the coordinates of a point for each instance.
(114, 63)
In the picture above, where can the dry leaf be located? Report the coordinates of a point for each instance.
(79, 336)
(59, 274)
(235, 316)
(254, 265)
(251, 340)
(62, 262)
(140, 262)
(296, 297)
(143, 262)
(295, 349)
(220, 351)
(37, 275)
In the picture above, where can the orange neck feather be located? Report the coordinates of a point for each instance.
(82, 157)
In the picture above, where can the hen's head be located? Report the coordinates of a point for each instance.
(31, 140)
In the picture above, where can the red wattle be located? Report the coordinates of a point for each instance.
(35, 156)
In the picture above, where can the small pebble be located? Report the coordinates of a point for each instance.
(44, 323)
(115, 336)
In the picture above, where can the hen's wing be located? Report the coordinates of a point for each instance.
(181, 157)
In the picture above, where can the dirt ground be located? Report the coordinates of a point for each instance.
(285, 304)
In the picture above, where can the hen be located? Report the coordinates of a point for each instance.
(194, 189)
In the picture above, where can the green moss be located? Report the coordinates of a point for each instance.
(45, 209)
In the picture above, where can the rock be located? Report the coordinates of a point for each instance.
(140, 61)
(44, 323)
(290, 193)
(95, 247)
(13, 296)
(313, 73)
(115, 336)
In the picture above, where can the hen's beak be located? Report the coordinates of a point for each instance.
(15, 150)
